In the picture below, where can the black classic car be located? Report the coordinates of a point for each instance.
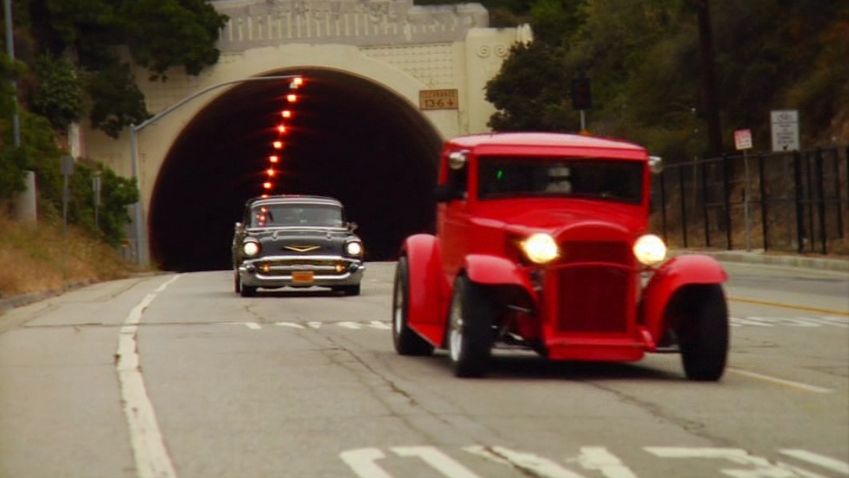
(296, 241)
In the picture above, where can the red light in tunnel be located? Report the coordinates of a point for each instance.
(270, 172)
(286, 113)
(292, 98)
(267, 185)
(296, 83)
(281, 128)
(274, 158)
(277, 144)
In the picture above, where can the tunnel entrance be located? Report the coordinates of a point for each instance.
(349, 138)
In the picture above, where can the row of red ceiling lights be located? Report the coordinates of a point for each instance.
(275, 158)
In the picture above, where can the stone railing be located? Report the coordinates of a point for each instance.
(259, 23)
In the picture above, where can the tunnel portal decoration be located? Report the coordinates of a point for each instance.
(361, 134)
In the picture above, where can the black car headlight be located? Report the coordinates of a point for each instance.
(354, 248)
(251, 248)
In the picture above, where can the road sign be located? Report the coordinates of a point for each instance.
(785, 130)
(743, 139)
(438, 99)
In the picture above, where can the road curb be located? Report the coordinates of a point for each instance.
(759, 257)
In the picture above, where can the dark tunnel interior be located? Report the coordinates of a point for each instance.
(349, 138)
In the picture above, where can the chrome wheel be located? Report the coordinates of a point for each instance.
(455, 337)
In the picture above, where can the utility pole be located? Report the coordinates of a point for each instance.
(710, 93)
(10, 50)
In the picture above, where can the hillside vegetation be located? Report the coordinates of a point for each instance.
(648, 80)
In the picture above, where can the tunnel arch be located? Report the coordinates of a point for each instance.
(351, 138)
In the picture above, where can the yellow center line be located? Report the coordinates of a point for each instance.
(768, 303)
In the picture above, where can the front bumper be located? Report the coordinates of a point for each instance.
(301, 271)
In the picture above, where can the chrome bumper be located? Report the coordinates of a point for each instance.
(278, 271)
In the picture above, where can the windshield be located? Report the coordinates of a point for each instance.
(297, 215)
(510, 176)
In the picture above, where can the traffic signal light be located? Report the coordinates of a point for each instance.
(582, 98)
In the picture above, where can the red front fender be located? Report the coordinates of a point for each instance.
(429, 290)
(493, 270)
(676, 273)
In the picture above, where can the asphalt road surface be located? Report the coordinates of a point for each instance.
(177, 376)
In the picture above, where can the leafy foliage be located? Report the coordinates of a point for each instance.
(116, 100)
(157, 34)
(59, 93)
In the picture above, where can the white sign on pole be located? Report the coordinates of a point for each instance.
(743, 139)
(785, 130)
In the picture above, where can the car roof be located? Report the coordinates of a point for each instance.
(543, 139)
(294, 199)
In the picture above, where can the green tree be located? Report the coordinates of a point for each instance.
(530, 91)
(58, 95)
(158, 34)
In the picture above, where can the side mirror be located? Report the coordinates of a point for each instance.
(457, 160)
(655, 164)
(237, 227)
(352, 226)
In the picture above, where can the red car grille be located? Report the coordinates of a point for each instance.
(594, 287)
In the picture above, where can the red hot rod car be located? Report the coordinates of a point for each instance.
(541, 243)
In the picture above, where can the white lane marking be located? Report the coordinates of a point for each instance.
(350, 325)
(151, 456)
(796, 321)
(289, 324)
(253, 326)
(435, 458)
(762, 468)
(537, 465)
(314, 325)
(376, 324)
(781, 381)
(362, 462)
(823, 461)
(599, 458)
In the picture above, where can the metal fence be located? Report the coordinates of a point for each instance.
(795, 201)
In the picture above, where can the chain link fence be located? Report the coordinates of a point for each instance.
(796, 201)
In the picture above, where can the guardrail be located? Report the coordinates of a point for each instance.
(796, 201)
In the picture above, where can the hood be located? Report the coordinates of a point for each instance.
(558, 216)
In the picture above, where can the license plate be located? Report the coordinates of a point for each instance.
(303, 277)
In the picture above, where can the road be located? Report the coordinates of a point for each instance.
(175, 375)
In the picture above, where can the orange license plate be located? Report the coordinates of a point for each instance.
(303, 277)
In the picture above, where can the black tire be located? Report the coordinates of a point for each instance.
(248, 291)
(703, 333)
(470, 335)
(406, 341)
(237, 282)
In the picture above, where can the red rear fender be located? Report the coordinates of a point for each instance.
(676, 273)
(429, 290)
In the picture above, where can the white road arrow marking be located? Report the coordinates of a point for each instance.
(537, 465)
(289, 324)
(599, 458)
(253, 325)
(435, 458)
(823, 461)
(761, 467)
(362, 462)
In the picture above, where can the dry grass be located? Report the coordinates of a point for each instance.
(42, 258)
